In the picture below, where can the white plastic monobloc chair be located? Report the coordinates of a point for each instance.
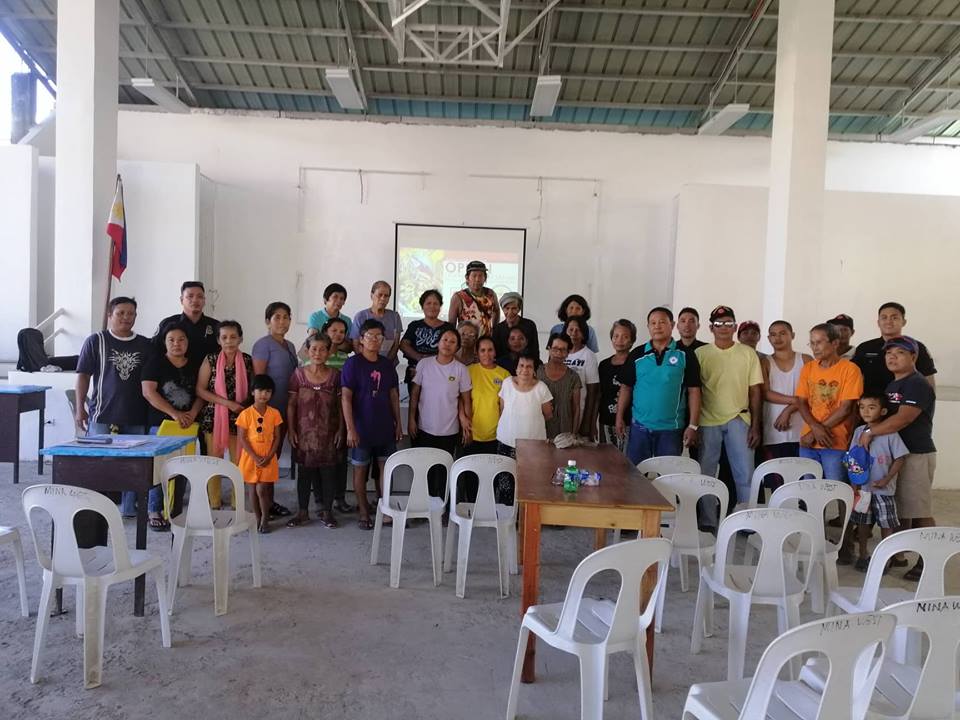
(11, 536)
(928, 691)
(790, 469)
(91, 570)
(683, 492)
(593, 629)
(485, 512)
(669, 465)
(665, 465)
(854, 646)
(936, 545)
(418, 504)
(772, 581)
(816, 495)
(200, 520)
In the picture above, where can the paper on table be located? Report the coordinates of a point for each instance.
(116, 444)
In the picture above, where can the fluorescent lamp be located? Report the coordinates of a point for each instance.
(545, 95)
(725, 119)
(925, 126)
(344, 89)
(148, 87)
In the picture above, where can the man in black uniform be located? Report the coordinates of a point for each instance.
(201, 329)
(869, 356)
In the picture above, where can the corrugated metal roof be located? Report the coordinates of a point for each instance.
(639, 63)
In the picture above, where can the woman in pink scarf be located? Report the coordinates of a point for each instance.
(224, 382)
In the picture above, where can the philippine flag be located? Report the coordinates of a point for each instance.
(117, 232)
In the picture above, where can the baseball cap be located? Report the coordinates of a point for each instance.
(747, 325)
(476, 265)
(511, 297)
(903, 342)
(858, 462)
(841, 319)
(721, 311)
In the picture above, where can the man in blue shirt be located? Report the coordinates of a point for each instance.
(659, 382)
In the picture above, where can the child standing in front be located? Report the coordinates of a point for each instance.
(887, 453)
(258, 435)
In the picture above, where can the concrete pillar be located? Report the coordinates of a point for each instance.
(86, 166)
(792, 269)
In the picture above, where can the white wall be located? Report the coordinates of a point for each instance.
(877, 247)
(607, 230)
(161, 200)
(18, 244)
(163, 216)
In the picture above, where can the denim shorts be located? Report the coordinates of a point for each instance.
(360, 456)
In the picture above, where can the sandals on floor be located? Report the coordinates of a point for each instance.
(158, 524)
(297, 521)
(263, 529)
(278, 510)
(914, 573)
(365, 524)
(327, 519)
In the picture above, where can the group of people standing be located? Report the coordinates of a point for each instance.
(477, 383)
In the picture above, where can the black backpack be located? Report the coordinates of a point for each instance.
(33, 356)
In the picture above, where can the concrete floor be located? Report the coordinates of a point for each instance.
(326, 636)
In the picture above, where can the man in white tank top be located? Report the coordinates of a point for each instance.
(781, 371)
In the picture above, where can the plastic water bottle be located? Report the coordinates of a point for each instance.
(571, 479)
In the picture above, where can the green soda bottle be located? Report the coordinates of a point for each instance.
(571, 478)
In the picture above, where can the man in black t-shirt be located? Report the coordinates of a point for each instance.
(201, 330)
(912, 401)
(869, 355)
(688, 323)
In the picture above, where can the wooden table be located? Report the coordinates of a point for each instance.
(625, 499)
(14, 401)
(109, 469)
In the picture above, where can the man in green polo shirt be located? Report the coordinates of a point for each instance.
(659, 381)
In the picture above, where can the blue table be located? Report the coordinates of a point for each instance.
(14, 401)
(110, 469)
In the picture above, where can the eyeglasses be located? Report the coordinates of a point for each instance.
(724, 323)
(373, 338)
(259, 424)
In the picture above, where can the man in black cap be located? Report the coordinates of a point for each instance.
(201, 329)
(912, 401)
(844, 325)
(869, 356)
(475, 303)
(731, 384)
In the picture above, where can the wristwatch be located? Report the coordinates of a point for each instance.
(693, 427)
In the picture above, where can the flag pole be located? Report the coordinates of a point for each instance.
(106, 302)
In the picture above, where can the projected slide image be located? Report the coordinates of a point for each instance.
(421, 269)
(436, 256)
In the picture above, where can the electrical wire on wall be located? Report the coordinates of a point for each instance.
(539, 217)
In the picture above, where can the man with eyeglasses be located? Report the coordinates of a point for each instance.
(371, 411)
(732, 400)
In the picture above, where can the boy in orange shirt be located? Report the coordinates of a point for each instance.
(258, 438)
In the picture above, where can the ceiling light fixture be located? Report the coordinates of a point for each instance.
(545, 95)
(925, 126)
(150, 88)
(725, 119)
(344, 88)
